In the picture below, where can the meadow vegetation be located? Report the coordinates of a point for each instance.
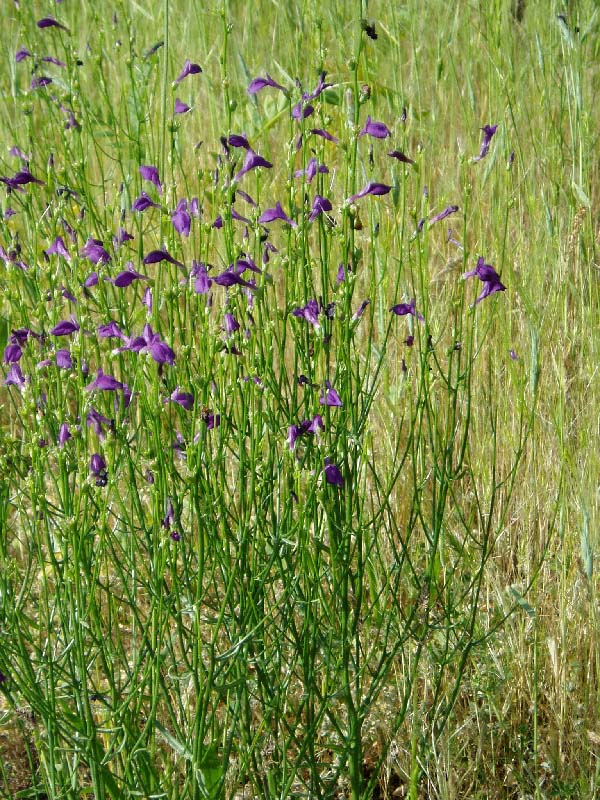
(299, 404)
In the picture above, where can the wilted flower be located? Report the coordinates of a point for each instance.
(22, 54)
(324, 134)
(490, 278)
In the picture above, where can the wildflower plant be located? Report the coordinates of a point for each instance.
(244, 483)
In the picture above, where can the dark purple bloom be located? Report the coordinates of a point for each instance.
(150, 173)
(150, 341)
(50, 22)
(271, 214)
(9, 212)
(319, 89)
(184, 399)
(181, 107)
(252, 161)
(239, 217)
(91, 280)
(12, 353)
(401, 157)
(143, 202)
(333, 474)
(330, 397)
(161, 255)
(181, 219)
(22, 54)
(188, 69)
(64, 359)
(312, 426)
(211, 420)
(260, 83)
(302, 111)
(231, 278)
(311, 170)
(379, 130)
(64, 434)
(55, 61)
(95, 252)
(513, 355)
(21, 178)
(443, 214)
(371, 188)
(324, 134)
(58, 248)
(126, 278)
(65, 328)
(488, 133)
(319, 205)
(14, 377)
(403, 309)
(237, 140)
(490, 278)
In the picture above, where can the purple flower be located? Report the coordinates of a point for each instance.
(490, 278)
(302, 111)
(312, 168)
(95, 252)
(271, 214)
(443, 214)
(184, 399)
(98, 469)
(211, 420)
(14, 377)
(230, 278)
(120, 237)
(150, 173)
(105, 383)
(333, 474)
(309, 312)
(143, 202)
(150, 341)
(18, 180)
(50, 22)
(12, 353)
(360, 310)
(230, 324)
(202, 282)
(155, 256)
(126, 278)
(403, 309)
(307, 426)
(401, 157)
(330, 397)
(371, 188)
(64, 359)
(58, 248)
(40, 81)
(181, 219)
(55, 61)
(65, 328)
(237, 140)
(488, 133)
(110, 331)
(63, 434)
(96, 420)
(378, 130)
(252, 161)
(22, 54)
(181, 107)
(257, 84)
(319, 205)
(325, 135)
(147, 299)
(188, 69)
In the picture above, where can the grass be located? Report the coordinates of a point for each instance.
(405, 602)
